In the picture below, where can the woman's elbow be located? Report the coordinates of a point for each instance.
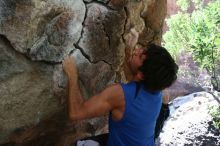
(73, 117)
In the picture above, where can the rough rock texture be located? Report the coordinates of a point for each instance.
(190, 123)
(190, 77)
(24, 86)
(35, 35)
(44, 30)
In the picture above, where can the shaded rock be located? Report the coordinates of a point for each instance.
(117, 4)
(190, 77)
(24, 85)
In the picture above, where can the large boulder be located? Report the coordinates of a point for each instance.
(191, 78)
(26, 91)
(35, 35)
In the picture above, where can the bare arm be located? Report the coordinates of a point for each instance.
(75, 99)
(166, 96)
(109, 99)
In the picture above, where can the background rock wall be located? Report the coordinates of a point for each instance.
(35, 35)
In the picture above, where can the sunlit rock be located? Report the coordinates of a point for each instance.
(35, 37)
(189, 122)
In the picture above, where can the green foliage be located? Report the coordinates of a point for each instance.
(205, 26)
(183, 4)
(198, 4)
(214, 111)
(177, 38)
(199, 33)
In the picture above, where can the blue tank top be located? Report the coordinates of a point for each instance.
(136, 128)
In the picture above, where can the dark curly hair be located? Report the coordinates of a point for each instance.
(159, 68)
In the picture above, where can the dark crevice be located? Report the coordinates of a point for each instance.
(61, 86)
(104, 62)
(97, 1)
(124, 31)
(92, 62)
(109, 42)
(85, 2)
(48, 62)
(109, 64)
(107, 35)
(126, 21)
(83, 25)
(108, 2)
(77, 46)
(83, 52)
(88, 57)
(214, 96)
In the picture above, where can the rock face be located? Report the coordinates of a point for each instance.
(26, 90)
(190, 77)
(35, 35)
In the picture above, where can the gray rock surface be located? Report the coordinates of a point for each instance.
(35, 35)
(102, 34)
(26, 92)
